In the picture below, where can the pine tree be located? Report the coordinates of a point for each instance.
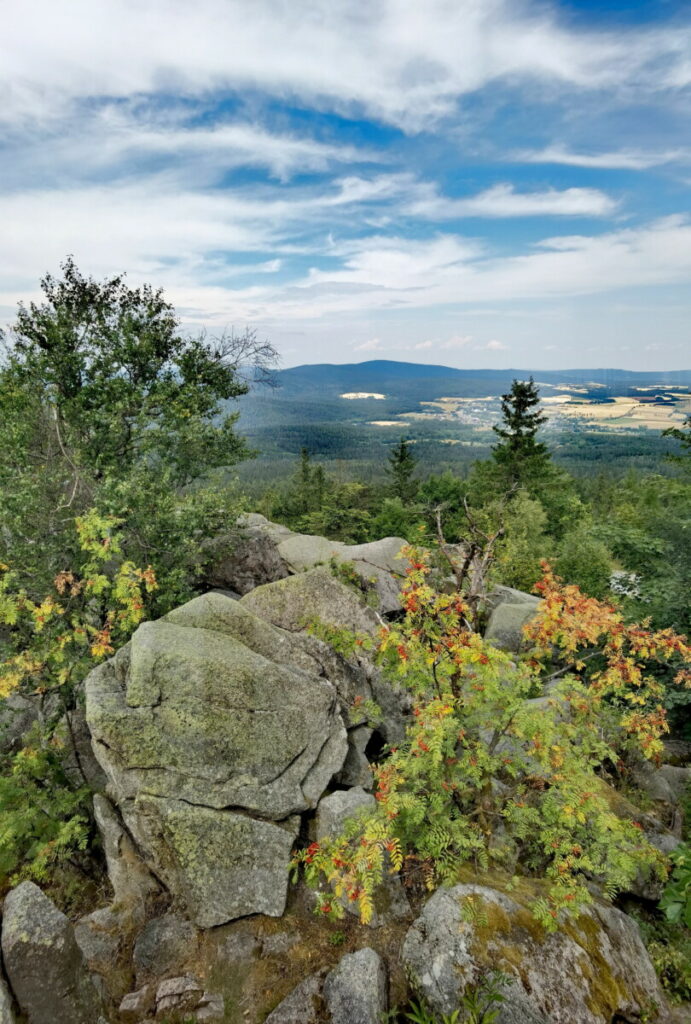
(402, 465)
(518, 452)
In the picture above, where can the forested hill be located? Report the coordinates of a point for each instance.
(354, 412)
(404, 385)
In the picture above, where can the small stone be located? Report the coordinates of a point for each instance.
(212, 1007)
(164, 945)
(178, 994)
(275, 945)
(355, 991)
(334, 810)
(302, 1005)
(136, 1005)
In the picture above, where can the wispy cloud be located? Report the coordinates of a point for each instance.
(504, 201)
(395, 60)
(628, 160)
(341, 168)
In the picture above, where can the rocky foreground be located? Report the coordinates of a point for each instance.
(221, 735)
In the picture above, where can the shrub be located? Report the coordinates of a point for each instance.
(488, 776)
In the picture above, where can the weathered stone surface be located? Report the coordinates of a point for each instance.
(505, 626)
(184, 999)
(137, 1005)
(132, 882)
(264, 552)
(248, 558)
(164, 945)
(219, 864)
(334, 810)
(500, 594)
(292, 602)
(279, 943)
(200, 717)
(177, 995)
(43, 962)
(223, 615)
(98, 937)
(6, 1007)
(666, 783)
(303, 1005)
(355, 991)
(79, 762)
(211, 1008)
(591, 971)
(17, 715)
(357, 770)
(377, 563)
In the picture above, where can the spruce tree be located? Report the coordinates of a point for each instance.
(519, 452)
(401, 467)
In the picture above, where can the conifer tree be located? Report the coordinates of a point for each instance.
(519, 452)
(402, 464)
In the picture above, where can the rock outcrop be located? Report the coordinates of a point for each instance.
(592, 970)
(510, 610)
(212, 749)
(43, 962)
(264, 552)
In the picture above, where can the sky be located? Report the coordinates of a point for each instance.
(477, 183)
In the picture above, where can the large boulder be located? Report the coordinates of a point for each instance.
(44, 963)
(594, 969)
(263, 552)
(215, 730)
(248, 558)
(217, 863)
(292, 603)
(511, 611)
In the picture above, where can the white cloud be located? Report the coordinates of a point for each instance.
(457, 341)
(114, 139)
(369, 346)
(495, 346)
(632, 160)
(398, 60)
(503, 201)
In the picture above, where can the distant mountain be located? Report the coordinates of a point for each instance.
(384, 373)
(312, 393)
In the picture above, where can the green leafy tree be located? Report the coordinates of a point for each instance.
(524, 544)
(106, 404)
(402, 464)
(583, 559)
(682, 434)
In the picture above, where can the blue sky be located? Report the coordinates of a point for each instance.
(470, 182)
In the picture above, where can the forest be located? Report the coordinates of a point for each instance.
(125, 448)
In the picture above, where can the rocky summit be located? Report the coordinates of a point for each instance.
(226, 733)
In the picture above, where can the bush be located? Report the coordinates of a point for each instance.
(486, 775)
